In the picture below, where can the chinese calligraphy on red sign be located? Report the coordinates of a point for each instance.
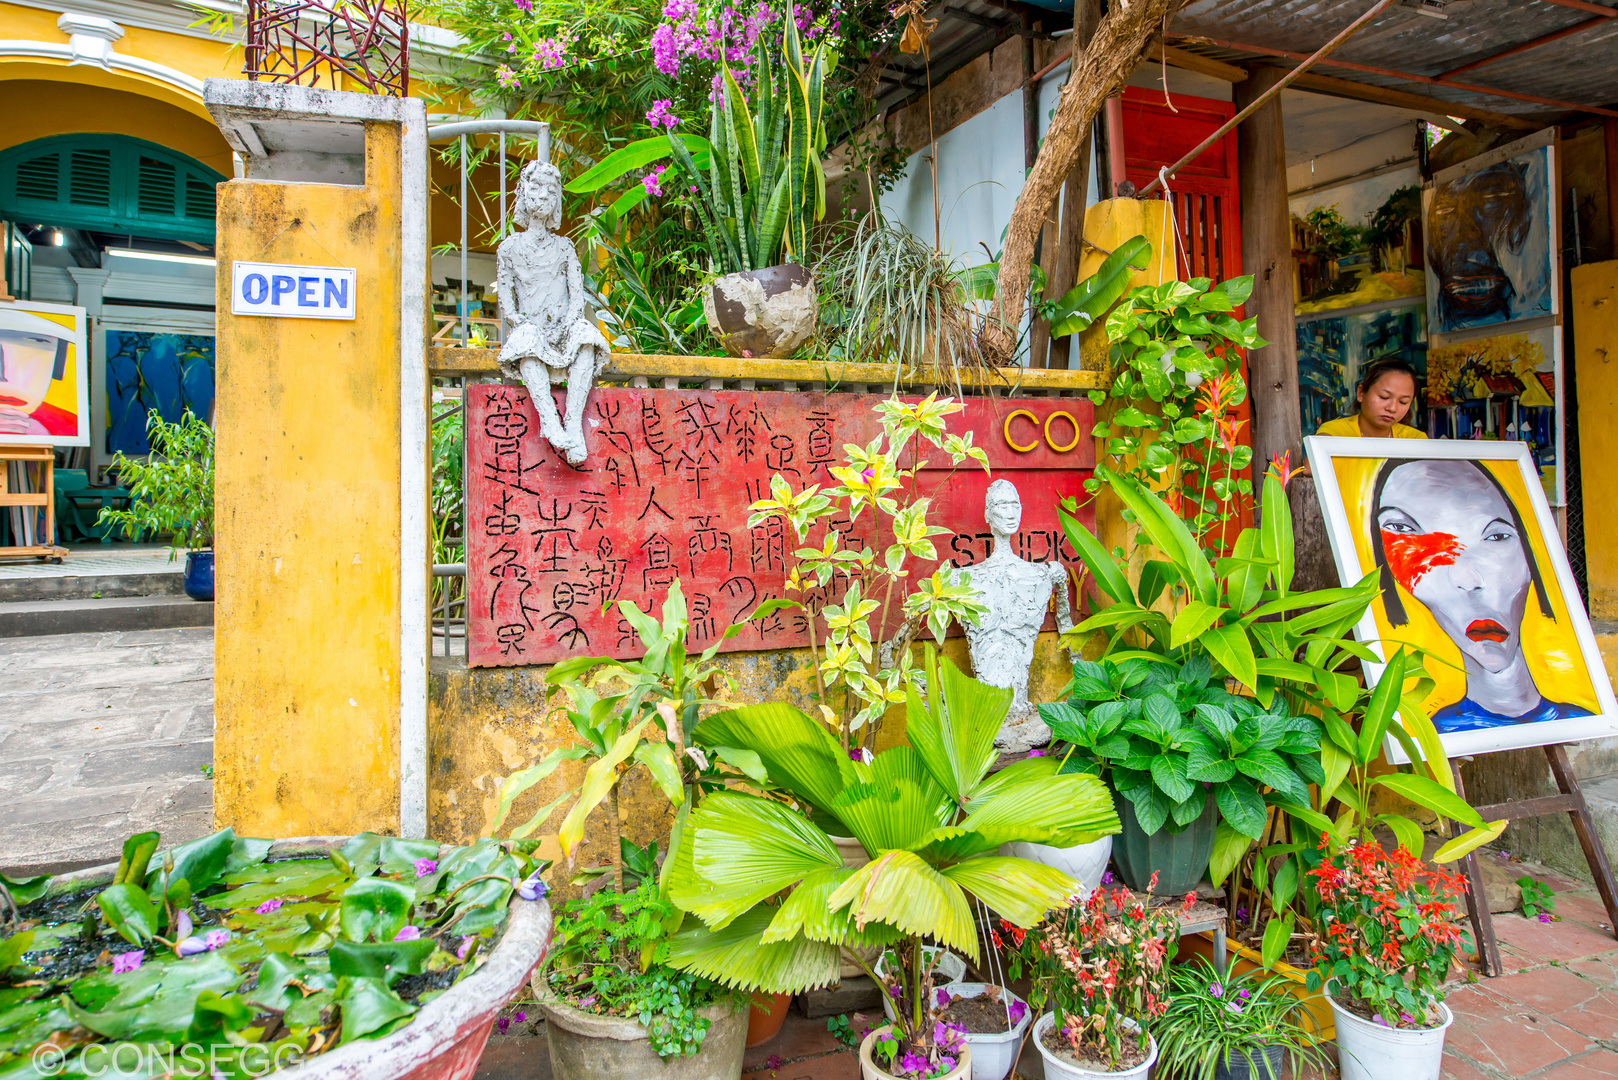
(552, 549)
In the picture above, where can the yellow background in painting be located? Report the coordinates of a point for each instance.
(1552, 649)
(64, 392)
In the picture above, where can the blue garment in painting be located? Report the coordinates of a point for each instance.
(1468, 715)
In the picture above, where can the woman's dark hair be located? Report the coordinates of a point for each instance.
(1391, 602)
(1388, 365)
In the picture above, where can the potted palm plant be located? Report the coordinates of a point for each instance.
(1244, 1027)
(172, 492)
(931, 818)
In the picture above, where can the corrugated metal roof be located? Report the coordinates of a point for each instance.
(1580, 68)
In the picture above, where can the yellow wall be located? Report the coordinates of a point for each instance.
(60, 107)
(306, 637)
(1594, 314)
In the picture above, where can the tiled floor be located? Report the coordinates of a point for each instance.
(1553, 1016)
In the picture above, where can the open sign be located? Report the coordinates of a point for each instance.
(295, 292)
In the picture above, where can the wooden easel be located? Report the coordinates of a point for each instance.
(45, 546)
(1571, 802)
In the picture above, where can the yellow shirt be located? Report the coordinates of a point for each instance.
(1348, 427)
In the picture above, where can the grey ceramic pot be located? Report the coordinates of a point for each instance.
(1267, 1063)
(1179, 858)
(584, 1046)
(763, 313)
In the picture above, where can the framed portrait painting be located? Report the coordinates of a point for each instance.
(44, 375)
(1472, 573)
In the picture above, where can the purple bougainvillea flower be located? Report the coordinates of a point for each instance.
(267, 906)
(425, 867)
(1406, 1018)
(585, 1003)
(522, 1016)
(1018, 1010)
(1215, 990)
(408, 933)
(859, 754)
(1036, 753)
(943, 998)
(532, 888)
(945, 1063)
(466, 946)
(913, 1065)
(215, 938)
(503, 1023)
(128, 961)
(774, 1062)
(1243, 994)
(1106, 878)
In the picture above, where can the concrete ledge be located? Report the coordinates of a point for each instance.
(474, 363)
(86, 586)
(36, 618)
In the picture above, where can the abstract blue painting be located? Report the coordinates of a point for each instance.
(167, 372)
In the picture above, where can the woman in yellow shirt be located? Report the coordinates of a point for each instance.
(1385, 396)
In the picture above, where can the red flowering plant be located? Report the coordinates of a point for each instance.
(1097, 963)
(1389, 931)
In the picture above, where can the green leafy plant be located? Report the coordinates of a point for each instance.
(842, 1030)
(1390, 932)
(1177, 378)
(1093, 297)
(1538, 899)
(173, 491)
(761, 186)
(1167, 737)
(927, 813)
(1102, 966)
(645, 295)
(266, 962)
(880, 477)
(1241, 613)
(1214, 1022)
(607, 958)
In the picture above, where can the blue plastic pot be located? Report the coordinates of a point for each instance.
(199, 575)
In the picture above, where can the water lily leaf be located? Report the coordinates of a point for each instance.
(369, 1008)
(275, 989)
(216, 1015)
(247, 851)
(300, 878)
(201, 862)
(157, 1001)
(361, 855)
(375, 908)
(13, 947)
(400, 856)
(26, 1025)
(129, 911)
(381, 960)
(137, 854)
(26, 890)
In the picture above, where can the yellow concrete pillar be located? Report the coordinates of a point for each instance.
(1594, 313)
(320, 650)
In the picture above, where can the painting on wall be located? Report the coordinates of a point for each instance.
(1502, 388)
(145, 370)
(44, 375)
(1473, 574)
(1334, 350)
(1339, 264)
(1490, 231)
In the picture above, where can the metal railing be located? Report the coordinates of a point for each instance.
(296, 41)
(449, 579)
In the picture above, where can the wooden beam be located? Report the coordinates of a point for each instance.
(1611, 134)
(1585, 5)
(1203, 65)
(1272, 379)
(1348, 88)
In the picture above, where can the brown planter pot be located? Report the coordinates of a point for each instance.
(763, 313)
(764, 1024)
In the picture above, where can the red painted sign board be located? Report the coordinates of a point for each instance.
(664, 494)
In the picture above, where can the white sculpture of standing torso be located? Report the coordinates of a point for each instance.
(1018, 594)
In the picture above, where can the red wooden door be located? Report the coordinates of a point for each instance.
(1207, 204)
(1205, 194)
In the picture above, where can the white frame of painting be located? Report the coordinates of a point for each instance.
(1322, 451)
(1547, 140)
(81, 362)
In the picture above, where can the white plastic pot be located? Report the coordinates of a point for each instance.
(949, 969)
(870, 1070)
(993, 1053)
(1057, 1068)
(1370, 1051)
(1084, 863)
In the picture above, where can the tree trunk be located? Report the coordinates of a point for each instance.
(1099, 71)
(1075, 195)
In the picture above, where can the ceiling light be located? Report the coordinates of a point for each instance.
(161, 256)
(58, 238)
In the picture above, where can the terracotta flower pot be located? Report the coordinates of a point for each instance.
(763, 313)
(764, 1024)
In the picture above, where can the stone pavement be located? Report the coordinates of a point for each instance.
(1552, 1016)
(103, 735)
